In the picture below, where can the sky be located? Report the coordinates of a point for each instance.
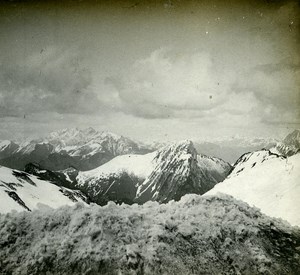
(151, 70)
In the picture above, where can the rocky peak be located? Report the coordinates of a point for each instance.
(176, 173)
(184, 150)
(293, 139)
(7, 145)
(289, 146)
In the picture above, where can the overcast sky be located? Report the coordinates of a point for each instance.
(152, 70)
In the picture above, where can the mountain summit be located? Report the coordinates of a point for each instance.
(166, 174)
(177, 173)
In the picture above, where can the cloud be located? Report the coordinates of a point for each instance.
(169, 84)
(276, 87)
(54, 79)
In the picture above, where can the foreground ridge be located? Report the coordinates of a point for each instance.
(197, 235)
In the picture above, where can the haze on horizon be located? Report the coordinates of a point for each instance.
(150, 70)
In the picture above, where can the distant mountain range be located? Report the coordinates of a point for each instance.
(83, 149)
(231, 149)
(87, 149)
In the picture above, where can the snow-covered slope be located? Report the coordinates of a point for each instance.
(268, 181)
(116, 180)
(197, 235)
(138, 165)
(215, 166)
(22, 191)
(168, 173)
(84, 149)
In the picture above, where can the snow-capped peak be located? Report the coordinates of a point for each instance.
(84, 149)
(69, 137)
(183, 150)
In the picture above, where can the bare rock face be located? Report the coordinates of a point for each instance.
(7, 148)
(289, 146)
(177, 173)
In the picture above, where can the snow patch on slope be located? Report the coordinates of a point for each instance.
(138, 165)
(20, 191)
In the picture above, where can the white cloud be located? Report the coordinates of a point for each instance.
(170, 84)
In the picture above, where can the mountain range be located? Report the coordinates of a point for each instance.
(163, 175)
(130, 172)
(230, 149)
(141, 209)
(83, 149)
(87, 149)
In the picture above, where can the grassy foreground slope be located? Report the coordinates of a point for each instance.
(197, 235)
